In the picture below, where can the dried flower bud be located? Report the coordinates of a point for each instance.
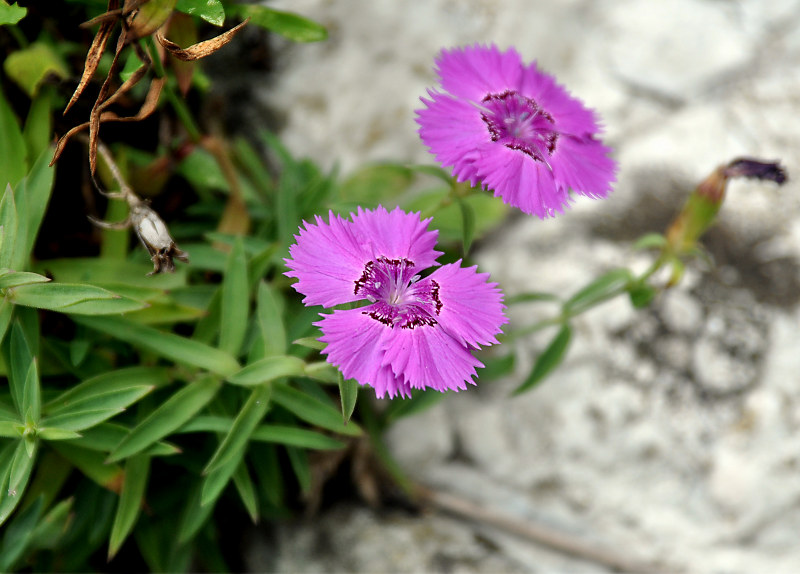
(154, 235)
(701, 208)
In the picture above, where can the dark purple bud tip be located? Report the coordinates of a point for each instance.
(757, 169)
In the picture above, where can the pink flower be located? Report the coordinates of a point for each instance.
(413, 332)
(514, 130)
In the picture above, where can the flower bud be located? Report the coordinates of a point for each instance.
(700, 209)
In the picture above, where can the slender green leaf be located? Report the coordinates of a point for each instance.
(110, 271)
(166, 345)
(267, 370)
(11, 429)
(312, 410)
(246, 490)
(601, 289)
(233, 445)
(92, 411)
(57, 296)
(130, 501)
(310, 342)
(194, 515)
(52, 472)
(235, 301)
(550, 358)
(322, 371)
(12, 149)
(269, 313)
(298, 458)
(32, 394)
(287, 24)
(20, 471)
(11, 13)
(9, 222)
(211, 11)
(6, 314)
(18, 362)
(467, 224)
(106, 436)
(18, 535)
(295, 436)
(52, 528)
(15, 279)
(115, 396)
(348, 394)
(38, 124)
(53, 433)
(91, 463)
(216, 481)
(108, 382)
(168, 417)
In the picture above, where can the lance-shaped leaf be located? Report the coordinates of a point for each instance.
(233, 445)
(295, 436)
(91, 463)
(287, 24)
(106, 436)
(12, 149)
(17, 278)
(246, 490)
(9, 223)
(130, 501)
(270, 320)
(18, 535)
(312, 410)
(348, 394)
(14, 474)
(211, 11)
(90, 411)
(112, 381)
(30, 66)
(267, 370)
(601, 289)
(201, 49)
(57, 296)
(168, 417)
(235, 301)
(166, 345)
(550, 358)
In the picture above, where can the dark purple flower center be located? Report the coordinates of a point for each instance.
(398, 297)
(520, 123)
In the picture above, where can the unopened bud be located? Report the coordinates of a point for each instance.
(700, 209)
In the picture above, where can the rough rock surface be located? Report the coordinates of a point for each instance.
(670, 434)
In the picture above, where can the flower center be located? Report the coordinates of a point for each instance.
(398, 297)
(520, 123)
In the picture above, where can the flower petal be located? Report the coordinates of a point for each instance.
(473, 72)
(327, 258)
(471, 308)
(428, 357)
(353, 340)
(569, 113)
(584, 165)
(396, 235)
(453, 130)
(521, 181)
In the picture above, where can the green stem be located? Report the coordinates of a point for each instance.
(178, 104)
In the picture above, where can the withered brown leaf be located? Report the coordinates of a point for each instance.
(201, 49)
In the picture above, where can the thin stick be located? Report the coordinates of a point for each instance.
(537, 533)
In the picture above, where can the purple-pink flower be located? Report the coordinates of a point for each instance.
(512, 129)
(414, 332)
